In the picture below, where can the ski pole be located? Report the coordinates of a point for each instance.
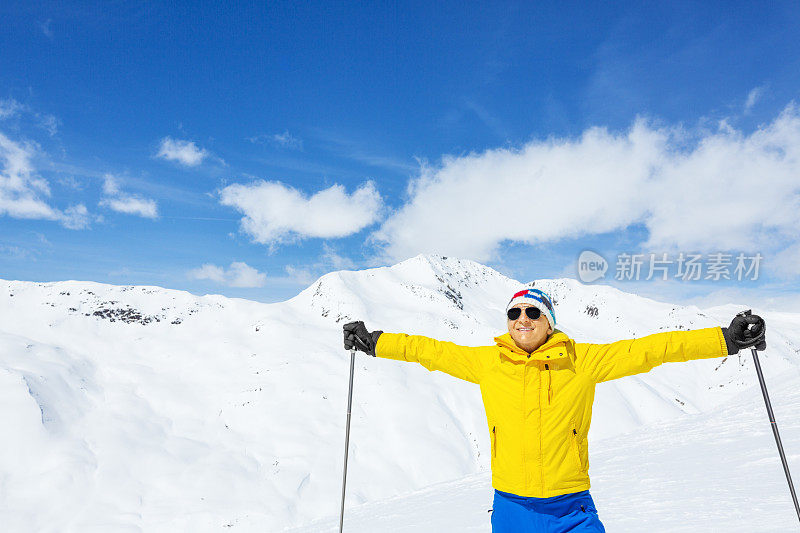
(347, 434)
(775, 429)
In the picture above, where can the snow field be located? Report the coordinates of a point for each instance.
(191, 413)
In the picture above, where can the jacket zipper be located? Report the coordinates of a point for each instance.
(541, 456)
(494, 441)
(524, 403)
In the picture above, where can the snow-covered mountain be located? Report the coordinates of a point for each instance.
(147, 409)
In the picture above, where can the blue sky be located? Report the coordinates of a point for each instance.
(248, 150)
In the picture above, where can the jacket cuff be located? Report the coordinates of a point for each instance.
(380, 344)
(729, 344)
(375, 336)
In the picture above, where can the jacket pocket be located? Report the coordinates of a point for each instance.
(494, 441)
(576, 449)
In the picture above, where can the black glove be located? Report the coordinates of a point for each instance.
(356, 336)
(746, 330)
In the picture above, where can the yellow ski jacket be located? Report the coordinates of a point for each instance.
(539, 405)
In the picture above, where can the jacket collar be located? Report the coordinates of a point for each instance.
(508, 346)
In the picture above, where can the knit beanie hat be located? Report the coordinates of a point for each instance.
(537, 299)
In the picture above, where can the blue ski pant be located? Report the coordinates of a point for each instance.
(567, 513)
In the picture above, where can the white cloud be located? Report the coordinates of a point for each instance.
(786, 263)
(49, 123)
(275, 213)
(285, 139)
(361, 151)
(22, 191)
(329, 260)
(753, 97)
(70, 182)
(237, 275)
(9, 108)
(301, 276)
(494, 124)
(131, 205)
(15, 252)
(184, 152)
(208, 271)
(110, 185)
(338, 262)
(731, 191)
(118, 201)
(76, 217)
(45, 27)
(719, 190)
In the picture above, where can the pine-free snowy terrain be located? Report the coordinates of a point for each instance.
(146, 409)
(715, 472)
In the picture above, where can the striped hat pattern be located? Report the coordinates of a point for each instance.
(537, 299)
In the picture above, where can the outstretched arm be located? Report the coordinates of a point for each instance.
(463, 362)
(604, 362)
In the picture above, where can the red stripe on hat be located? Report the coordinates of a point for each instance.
(520, 293)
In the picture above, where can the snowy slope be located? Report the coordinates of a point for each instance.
(712, 472)
(146, 409)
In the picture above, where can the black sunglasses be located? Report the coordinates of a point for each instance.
(532, 312)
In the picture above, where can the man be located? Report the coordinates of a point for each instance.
(538, 388)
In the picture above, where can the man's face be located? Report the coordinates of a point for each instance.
(529, 334)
